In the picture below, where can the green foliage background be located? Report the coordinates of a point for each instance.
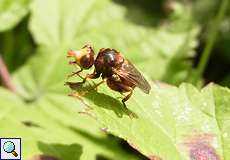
(159, 37)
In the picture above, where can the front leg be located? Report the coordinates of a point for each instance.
(92, 88)
(72, 62)
(76, 73)
(73, 85)
(93, 75)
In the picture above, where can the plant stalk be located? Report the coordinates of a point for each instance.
(211, 41)
(5, 76)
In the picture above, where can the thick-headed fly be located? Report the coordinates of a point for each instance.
(119, 74)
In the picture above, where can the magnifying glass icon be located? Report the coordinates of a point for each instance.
(9, 147)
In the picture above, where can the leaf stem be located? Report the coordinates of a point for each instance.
(211, 41)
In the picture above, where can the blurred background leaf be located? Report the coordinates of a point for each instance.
(11, 12)
(16, 46)
(16, 43)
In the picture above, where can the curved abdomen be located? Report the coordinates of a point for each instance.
(120, 86)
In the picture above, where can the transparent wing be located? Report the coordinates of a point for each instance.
(131, 74)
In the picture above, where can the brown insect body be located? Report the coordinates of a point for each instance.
(119, 73)
(106, 64)
(120, 85)
(106, 60)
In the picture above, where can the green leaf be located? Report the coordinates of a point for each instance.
(171, 121)
(222, 101)
(11, 12)
(53, 126)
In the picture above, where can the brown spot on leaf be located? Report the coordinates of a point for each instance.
(203, 152)
(43, 157)
(200, 147)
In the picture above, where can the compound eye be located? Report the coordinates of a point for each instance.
(86, 61)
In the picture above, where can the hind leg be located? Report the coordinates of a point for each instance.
(122, 87)
(128, 96)
(131, 114)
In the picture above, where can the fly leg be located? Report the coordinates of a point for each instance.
(94, 75)
(93, 88)
(76, 73)
(131, 115)
(127, 97)
(78, 95)
(73, 62)
(74, 85)
(122, 87)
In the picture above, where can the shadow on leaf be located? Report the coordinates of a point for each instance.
(101, 99)
(99, 141)
(62, 151)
